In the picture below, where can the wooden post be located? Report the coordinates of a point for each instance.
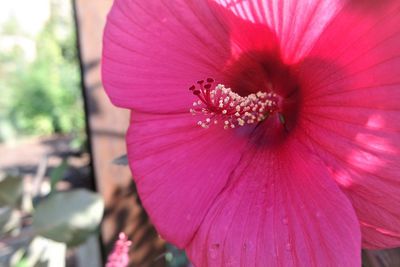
(107, 127)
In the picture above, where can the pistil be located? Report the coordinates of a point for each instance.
(220, 105)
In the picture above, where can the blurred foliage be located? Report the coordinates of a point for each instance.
(57, 173)
(59, 220)
(176, 257)
(11, 190)
(41, 96)
(121, 160)
(70, 223)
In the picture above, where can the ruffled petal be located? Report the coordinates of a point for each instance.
(351, 113)
(154, 50)
(281, 208)
(180, 169)
(297, 24)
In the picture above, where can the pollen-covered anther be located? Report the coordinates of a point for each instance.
(221, 104)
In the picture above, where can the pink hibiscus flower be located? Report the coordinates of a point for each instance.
(307, 172)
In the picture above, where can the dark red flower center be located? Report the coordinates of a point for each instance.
(257, 86)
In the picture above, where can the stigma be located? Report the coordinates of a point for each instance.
(220, 105)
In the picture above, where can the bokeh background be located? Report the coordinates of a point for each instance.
(65, 189)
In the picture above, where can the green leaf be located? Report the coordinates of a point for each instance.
(22, 263)
(69, 217)
(121, 160)
(57, 174)
(10, 190)
(18, 258)
(9, 219)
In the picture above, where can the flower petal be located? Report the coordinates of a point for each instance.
(179, 169)
(154, 50)
(296, 23)
(281, 208)
(351, 108)
(365, 163)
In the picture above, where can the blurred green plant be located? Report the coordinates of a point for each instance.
(176, 257)
(60, 219)
(41, 96)
(68, 217)
(10, 190)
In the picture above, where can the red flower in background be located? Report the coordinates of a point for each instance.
(306, 183)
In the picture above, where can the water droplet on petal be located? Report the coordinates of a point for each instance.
(288, 246)
(285, 221)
